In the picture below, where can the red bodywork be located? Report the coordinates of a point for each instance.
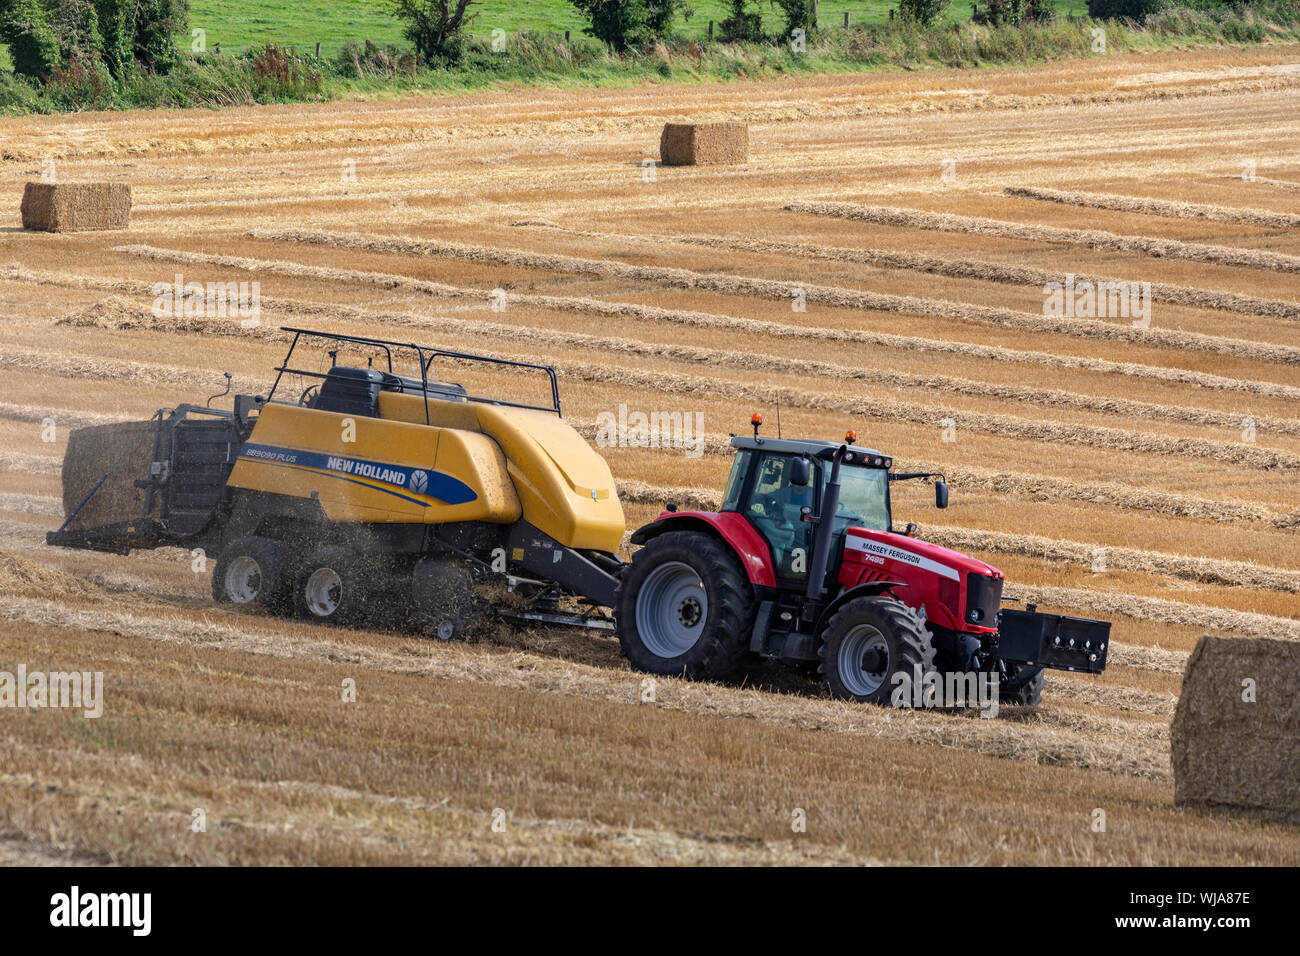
(753, 551)
(932, 576)
(928, 575)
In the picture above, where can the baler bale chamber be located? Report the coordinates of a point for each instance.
(146, 484)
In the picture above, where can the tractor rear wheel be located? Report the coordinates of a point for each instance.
(685, 607)
(867, 643)
(331, 586)
(254, 571)
(443, 594)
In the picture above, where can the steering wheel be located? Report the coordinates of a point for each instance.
(308, 395)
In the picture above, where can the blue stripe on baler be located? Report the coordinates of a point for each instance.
(439, 485)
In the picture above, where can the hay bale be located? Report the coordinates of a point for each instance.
(1229, 752)
(75, 207)
(91, 453)
(704, 144)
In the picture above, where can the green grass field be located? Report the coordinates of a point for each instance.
(236, 24)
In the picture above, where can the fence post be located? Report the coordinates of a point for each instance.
(566, 36)
(318, 42)
(710, 29)
(846, 19)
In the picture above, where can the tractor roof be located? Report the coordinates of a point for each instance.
(813, 449)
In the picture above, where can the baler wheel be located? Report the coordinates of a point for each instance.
(444, 595)
(254, 571)
(332, 587)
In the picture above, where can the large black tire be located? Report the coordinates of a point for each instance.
(254, 572)
(1028, 695)
(866, 643)
(443, 593)
(695, 580)
(333, 586)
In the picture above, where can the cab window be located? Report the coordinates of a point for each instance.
(775, 509)
(736, 482)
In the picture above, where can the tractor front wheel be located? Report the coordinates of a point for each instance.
(685, 607)
(867, 647)
(1028, 694)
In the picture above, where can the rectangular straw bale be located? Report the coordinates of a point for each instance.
(1229, 750)
(91, 452)
(704, 144)
(76, 207)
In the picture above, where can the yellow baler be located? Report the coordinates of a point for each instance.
(374, 487)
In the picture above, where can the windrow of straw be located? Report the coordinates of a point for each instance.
(29, 504)
(1157, 207)
(1090, 238)
(678, 316)
(1114, 750)
(23, 463)
(412, 131)
(61, 417)
(1088, 691)
(1205, 570)
(1279, 183)
(779, 289)
(77, 366)
(1042, 488)
(1095, 436)
(119, 313)
(1164, 611)
(1247, 455)
(1143, 658)
(952, 268)
(20, 574)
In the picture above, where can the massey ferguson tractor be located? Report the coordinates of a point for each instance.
(801, 563)
(383, 493)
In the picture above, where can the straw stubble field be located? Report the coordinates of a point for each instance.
(1143, 475)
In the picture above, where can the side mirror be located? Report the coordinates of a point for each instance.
(800, 471)
(941, 494)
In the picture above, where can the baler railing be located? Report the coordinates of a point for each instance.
(426, 356)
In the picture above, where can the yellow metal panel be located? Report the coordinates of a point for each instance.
(391, 471)
(564, 485)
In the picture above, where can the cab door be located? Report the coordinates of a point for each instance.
(774, 507)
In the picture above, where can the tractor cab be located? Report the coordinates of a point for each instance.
(779, 485)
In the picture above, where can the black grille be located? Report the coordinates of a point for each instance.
(983, 599)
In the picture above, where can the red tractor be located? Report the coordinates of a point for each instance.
(801, 564)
